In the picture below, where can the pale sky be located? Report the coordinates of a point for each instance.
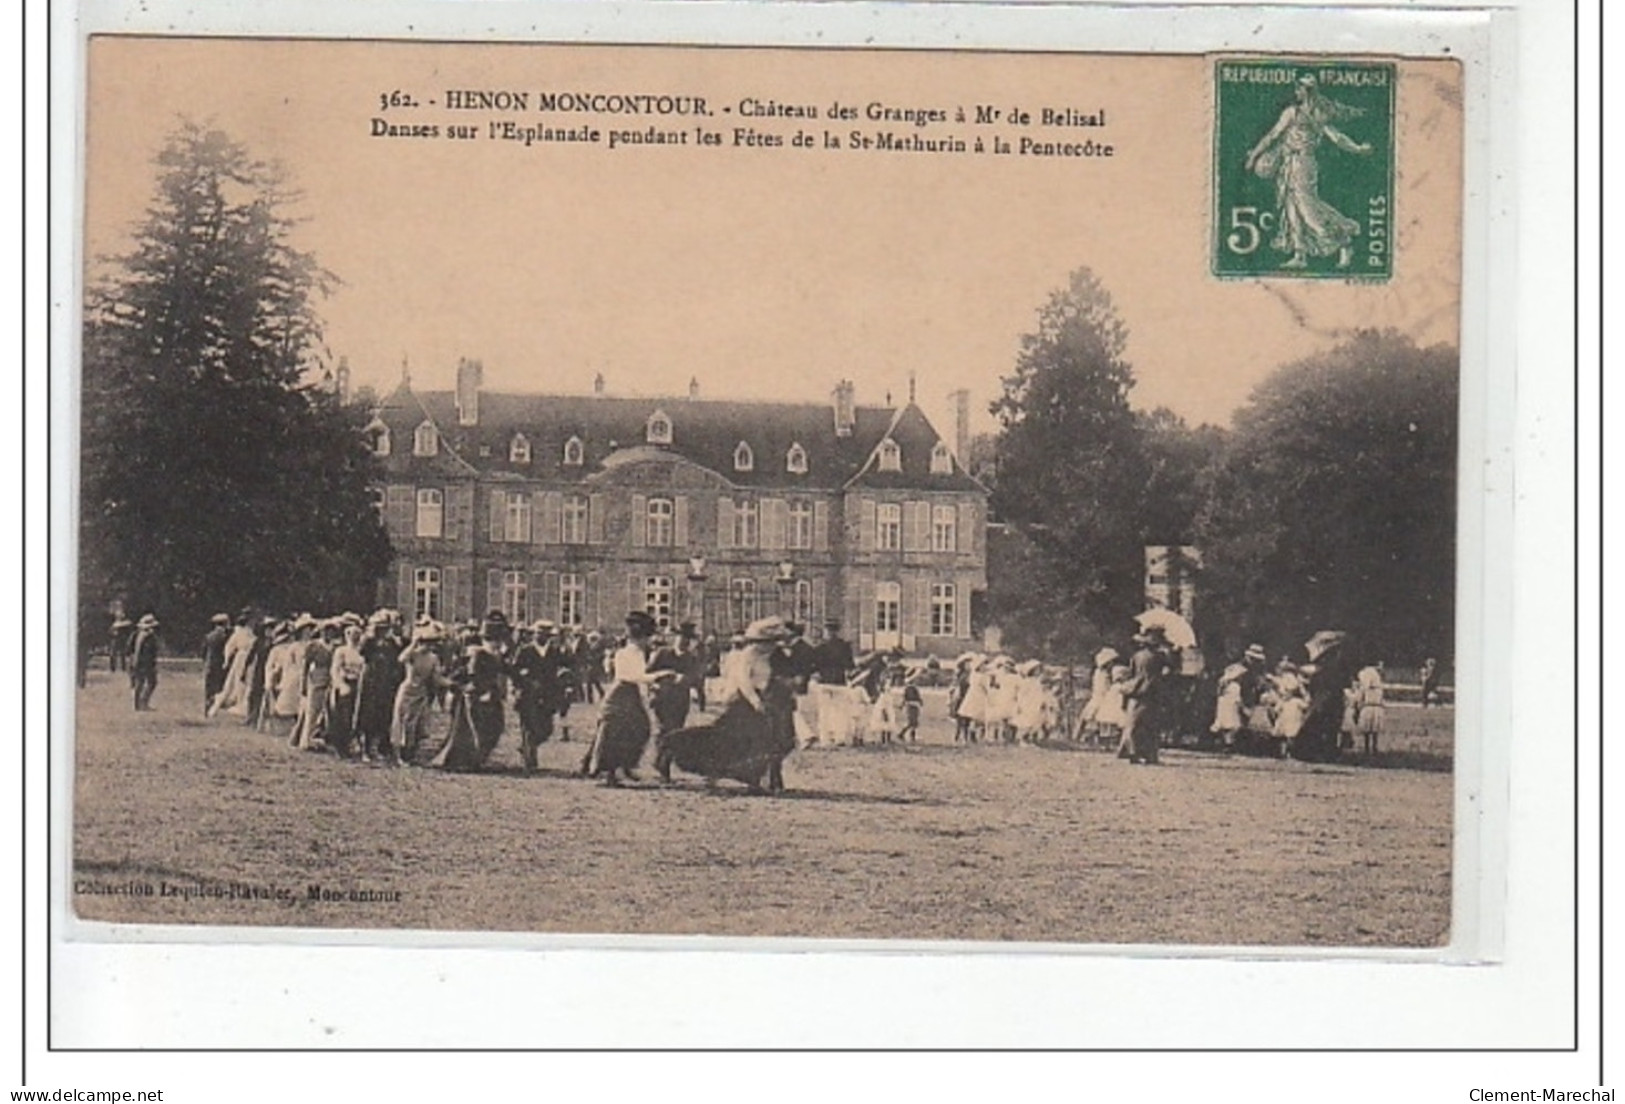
(765, 273)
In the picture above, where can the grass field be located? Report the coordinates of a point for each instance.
(181, 820)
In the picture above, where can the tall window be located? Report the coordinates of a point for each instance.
(744, 458)
(890, 456)
(744, 601)
(380, 440)
(803, 601)
(573, 519)
(943, 596)
(572, 601)
(888, 607)
(516, 518)
(657, 599)
(572, 452)
(745, 523)
(515, 590)
(801, 524)
(519, 449)
(889, 527)
(944, 529)
(658, 429)
(658, 527)
(942, 461)
(426, 593)
(795, 461)
(431, 512)
(425, 441)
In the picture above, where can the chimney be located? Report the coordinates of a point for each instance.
(846, 408)
(598, 384)
(961, 401)
(693, 387)
(341, 380)
(470, 375)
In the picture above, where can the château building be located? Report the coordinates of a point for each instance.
(579, 508)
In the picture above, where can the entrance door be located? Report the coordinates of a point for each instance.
(888, 615)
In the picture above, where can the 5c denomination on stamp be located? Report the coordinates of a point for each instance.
(1303, 168)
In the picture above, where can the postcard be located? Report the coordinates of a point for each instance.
(867, 494)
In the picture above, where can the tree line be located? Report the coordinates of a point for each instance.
(1329, 502)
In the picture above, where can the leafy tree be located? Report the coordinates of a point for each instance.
(217, 469)
(1086, 478)
(1334, 504)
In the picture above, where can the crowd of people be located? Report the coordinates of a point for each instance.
(433, 695)
(437, 696)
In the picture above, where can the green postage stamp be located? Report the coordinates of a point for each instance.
(1303, 168)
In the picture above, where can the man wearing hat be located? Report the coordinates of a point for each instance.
(144, 661)
(832, 662)
(671, 699)
(213, 652)
(538, 687)
(1148, 667)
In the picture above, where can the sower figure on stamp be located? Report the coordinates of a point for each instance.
(1308, 225)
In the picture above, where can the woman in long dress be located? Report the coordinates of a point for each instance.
(1306, 224)
(973, 705)
(478, 715)
(419, 692)
(749, 741)
(625, 724)
(1100, 681)
(238, 657)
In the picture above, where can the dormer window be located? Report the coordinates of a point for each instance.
(519, 449)
(425, 440)
(888, 456)
(942, 461)
(744, 459)
(795, 462)
(378, 437)
(658, 429)
(572, 452)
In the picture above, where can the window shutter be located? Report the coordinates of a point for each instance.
(551, 520)
(493, 590)
(595, 519)
(922, 604)
(772, 524)
(818, 613)
(547, 594)
(589, 600)
(679, 523)
(820, 526)
(967, 530)
(866, 613)
(539, 532)
(912, 527)
(459, 502)
(403, 593)
(866, 527)
(526, 517)
(499, 513)
(400, 505)
(640, 520)
(962, 610)
(451, 594)
(535, 600)
(725, 522)
(634, 592)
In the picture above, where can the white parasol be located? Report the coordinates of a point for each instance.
(1174, 627)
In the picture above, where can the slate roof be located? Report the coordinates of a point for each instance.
(704, 431)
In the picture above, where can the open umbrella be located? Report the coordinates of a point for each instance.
(1174, 627)
(1322, 642)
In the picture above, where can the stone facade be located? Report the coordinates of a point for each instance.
(578, 508)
